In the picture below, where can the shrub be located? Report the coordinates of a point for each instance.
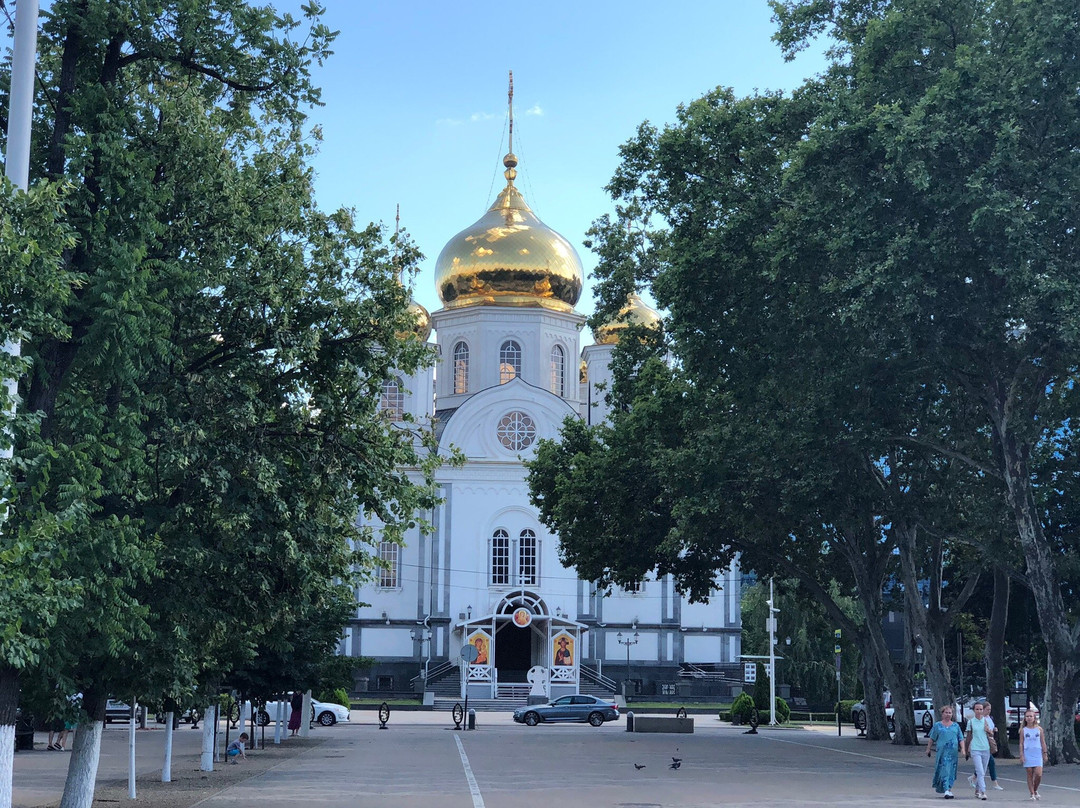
(742, 708)
(761, 688)
(845, 710)
(337, 696)
(783, 712)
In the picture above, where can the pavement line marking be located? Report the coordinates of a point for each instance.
(474, 789)
(901, 762)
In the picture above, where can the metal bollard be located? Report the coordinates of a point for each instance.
(472, 719)
(630, 721)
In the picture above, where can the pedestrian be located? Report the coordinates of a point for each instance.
(1032, 751)
(980, 744)
(991, 768)
(296, 716)
(57, 735)
(235, 751)
(949, 741)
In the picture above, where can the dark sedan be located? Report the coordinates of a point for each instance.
(569, 708)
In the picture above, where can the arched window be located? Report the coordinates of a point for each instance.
(527, 558)
(509, 361)
(461, 368)
(392, 401)
(558, 371)
(500, 558)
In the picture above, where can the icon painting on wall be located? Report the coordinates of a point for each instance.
(562, 650)
(482, 643)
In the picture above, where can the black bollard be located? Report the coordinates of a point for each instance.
(630, 721)
(472, 719)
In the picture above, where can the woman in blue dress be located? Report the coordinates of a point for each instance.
(949, 740)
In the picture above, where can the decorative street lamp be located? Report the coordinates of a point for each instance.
(627, 642)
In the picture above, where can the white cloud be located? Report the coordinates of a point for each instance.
(535, 109)
(482, 116)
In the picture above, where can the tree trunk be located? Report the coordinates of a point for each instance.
(166, 765)
(995, 660)
(9, 703)
(1058, 709)
(1062, 639)
(873, 693)
(209, 730)
(85, 754)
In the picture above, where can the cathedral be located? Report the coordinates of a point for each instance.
(482, 605)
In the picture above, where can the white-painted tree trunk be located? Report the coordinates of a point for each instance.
(279, 721)
(209, 729)
(83, 766)
(131, 752)
(166, 766)
(7, 763)
(305, 718)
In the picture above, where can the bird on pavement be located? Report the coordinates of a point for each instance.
(639, 766)
(676, 764)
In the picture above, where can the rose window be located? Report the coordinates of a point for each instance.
(516, 431)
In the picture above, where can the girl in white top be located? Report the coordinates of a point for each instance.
(1032, 752)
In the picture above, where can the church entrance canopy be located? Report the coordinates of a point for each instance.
(521, 650)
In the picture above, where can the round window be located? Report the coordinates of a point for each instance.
(516, 431)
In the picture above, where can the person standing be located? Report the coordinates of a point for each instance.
(949, 740)
(978, 745)
(1032, 752)
(296, 716)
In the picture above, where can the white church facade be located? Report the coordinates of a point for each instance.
(488, 576)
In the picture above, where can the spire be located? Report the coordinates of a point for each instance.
(511, 161)
(397, 246)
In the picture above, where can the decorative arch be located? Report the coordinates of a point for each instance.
(523, 597)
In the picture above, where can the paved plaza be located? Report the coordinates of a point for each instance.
(421, 760)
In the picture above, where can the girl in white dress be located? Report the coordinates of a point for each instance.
(1032, 752)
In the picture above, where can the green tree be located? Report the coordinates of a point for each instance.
(208, 406)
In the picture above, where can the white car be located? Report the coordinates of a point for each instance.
(924, 709)
(1012, 721)
(326, 713)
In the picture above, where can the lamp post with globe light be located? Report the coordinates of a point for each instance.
(628, 641)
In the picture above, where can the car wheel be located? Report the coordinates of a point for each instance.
(860, 720)
(927, 721)
(263, 718)
(327, 718)
(891, 724)
(531, 719)
(596, 719)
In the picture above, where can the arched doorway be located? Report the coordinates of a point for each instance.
(513, 652)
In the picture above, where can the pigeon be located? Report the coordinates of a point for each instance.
(639, 766)
(676, 760)
(676, 764)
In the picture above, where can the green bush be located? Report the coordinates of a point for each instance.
(742, 708)
(337, 696)
(761, 688)
(845, 710)
(783, 712)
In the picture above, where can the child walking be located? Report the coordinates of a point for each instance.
(1032, 752)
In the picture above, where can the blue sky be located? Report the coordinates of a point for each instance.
(415, 102)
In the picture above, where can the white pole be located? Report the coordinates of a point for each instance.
(278, 721)
(772, 656)
(305, 718)
(131, 750)
(166, 767)
(17, 160)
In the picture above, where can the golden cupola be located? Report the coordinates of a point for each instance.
(636, 311)
(509, 257)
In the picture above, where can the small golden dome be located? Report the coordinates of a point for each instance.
(635, 311)
(422, 330)
(509, 258)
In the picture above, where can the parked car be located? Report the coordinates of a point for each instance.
(578, 707)
(924, 709)
(325, 712)
(117, 711)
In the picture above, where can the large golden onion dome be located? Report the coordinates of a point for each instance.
(636, 311)
(509, 258)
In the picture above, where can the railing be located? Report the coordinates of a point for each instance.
(689, 670)
(512, 691)
(594, 676)
(434, 673)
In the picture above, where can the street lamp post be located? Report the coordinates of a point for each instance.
(628, 641)
(770, 625)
